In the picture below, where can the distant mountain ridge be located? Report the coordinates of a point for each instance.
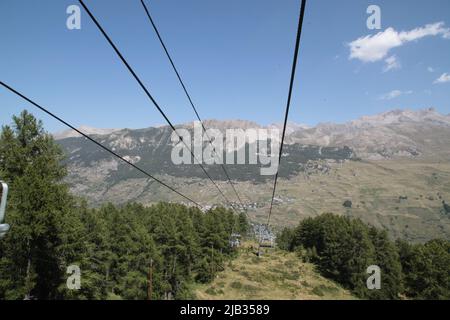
(402, 116)
(397, 133)
(385, 118)
(85, 129)
(221, 125)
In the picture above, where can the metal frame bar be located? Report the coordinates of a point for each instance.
(3, 227)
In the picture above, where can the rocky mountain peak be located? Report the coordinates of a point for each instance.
(85, 129)
(402, 116)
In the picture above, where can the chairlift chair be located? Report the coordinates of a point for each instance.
(235, 240)
(266, 240)
(266, 243)
(3, 196)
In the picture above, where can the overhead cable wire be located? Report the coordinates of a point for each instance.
(291, 85)
(96, 142)
(144, 88)
(187, 94)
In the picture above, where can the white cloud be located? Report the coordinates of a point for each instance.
(394, 94)
(376, 47)
(445, 77)
(392, 63)
(430, 69)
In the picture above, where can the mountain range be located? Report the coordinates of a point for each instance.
(374, 161)
(398, 133)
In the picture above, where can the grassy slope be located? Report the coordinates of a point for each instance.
(277, 275)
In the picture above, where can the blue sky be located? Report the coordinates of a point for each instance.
(235, 57)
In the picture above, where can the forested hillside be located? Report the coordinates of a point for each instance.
(113, 246)
(343, 249)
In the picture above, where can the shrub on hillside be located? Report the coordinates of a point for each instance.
(347, 204)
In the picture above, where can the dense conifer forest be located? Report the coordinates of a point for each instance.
(113, 246)
(343, 249)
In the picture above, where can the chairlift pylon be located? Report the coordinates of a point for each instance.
(4, 228)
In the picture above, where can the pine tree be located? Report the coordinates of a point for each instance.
(427, 269)
(388, 259)
(285, 239)
(39, 203)
(243, 224)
